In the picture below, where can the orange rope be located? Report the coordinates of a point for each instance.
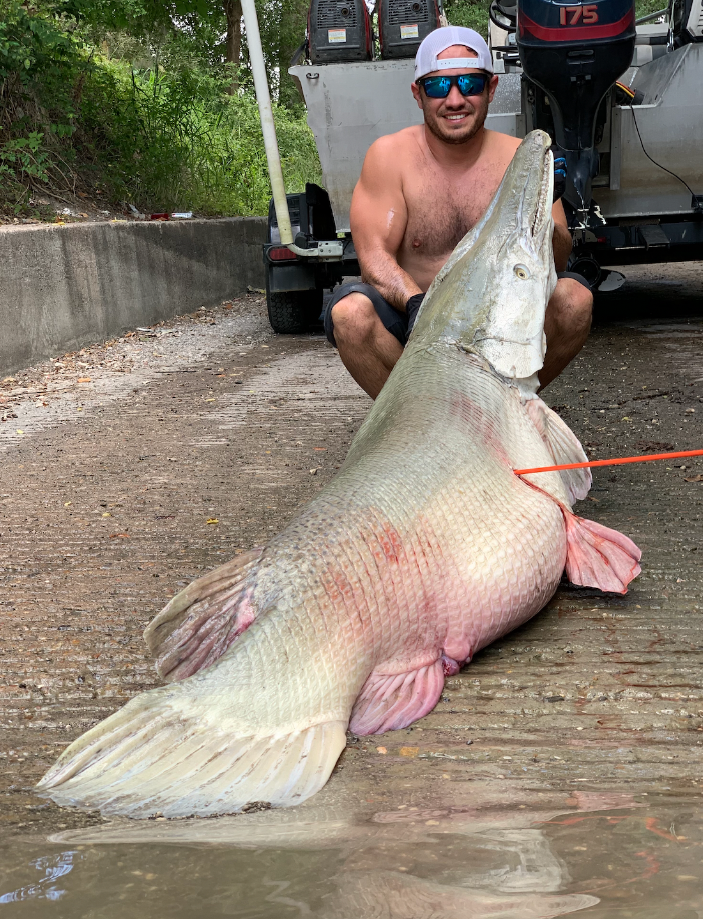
(611, 462)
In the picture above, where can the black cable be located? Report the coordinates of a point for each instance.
(694, 197)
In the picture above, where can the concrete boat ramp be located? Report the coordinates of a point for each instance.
(562, 769)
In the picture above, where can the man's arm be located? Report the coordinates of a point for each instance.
(561, 241)
(378, 219)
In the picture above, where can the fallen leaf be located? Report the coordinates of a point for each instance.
(20, 431)
(695, 478)
(313, 472)
(67, 503)
(119, 535)
(106, 514)
(84, 380)
(409, 751)
(381, 750)
(212, 520)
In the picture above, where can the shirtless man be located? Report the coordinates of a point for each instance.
(420, 192)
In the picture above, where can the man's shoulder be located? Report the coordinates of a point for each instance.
(390, 146)
(503, 143)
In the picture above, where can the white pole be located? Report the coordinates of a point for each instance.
(263, 97)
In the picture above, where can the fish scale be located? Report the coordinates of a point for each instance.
(422, 550)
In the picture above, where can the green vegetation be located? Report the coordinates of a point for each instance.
(470, 13)
(150, 103)
(135, 105)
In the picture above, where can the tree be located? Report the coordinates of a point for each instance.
(233, 49)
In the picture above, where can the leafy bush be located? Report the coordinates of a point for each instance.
(179, 141)
(162, 139)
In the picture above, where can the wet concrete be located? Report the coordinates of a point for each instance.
(194, 442)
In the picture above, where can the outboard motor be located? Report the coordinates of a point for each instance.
(574, 54)
(339, 30)
(402, 24)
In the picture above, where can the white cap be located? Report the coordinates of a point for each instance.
(441, 39)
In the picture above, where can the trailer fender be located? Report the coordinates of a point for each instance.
(291, 277)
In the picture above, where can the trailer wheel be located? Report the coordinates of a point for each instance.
(293, 311)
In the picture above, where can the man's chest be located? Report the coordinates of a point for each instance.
(442, 209)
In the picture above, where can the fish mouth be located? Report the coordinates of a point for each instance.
(543, 210)
(536, 190)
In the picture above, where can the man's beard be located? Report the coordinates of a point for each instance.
(433, 121)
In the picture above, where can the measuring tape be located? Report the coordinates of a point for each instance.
(611, 462)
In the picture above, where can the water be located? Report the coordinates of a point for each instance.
(640, 858)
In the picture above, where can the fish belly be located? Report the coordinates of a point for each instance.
(467, 551)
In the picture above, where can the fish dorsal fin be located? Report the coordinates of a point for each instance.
(564, 447)
(389, 701)
(200, 623)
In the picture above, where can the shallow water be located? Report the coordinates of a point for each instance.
(640, 858)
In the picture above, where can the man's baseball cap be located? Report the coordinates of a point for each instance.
(441, 39)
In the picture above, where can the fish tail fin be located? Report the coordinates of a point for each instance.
(201, 622)
(598, 556)
(175, 751)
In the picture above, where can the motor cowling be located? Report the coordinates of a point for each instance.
(402, 24)
(339, 30)
(575, 52)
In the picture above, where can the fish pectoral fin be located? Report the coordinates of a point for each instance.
(563, 446)
(165, 753)
(201, 622)
(388, 702)
(597, 556)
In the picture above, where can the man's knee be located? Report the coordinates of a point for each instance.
(573, 306)
(354, 318)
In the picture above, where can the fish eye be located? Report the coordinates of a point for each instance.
(522, 272)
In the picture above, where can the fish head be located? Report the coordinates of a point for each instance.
(490, 297)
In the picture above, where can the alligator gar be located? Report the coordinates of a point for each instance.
(423, 549)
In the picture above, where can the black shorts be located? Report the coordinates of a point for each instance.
(395, 321)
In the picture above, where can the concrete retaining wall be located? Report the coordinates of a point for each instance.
(62, 287)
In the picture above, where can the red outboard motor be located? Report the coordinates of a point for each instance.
(574, 54)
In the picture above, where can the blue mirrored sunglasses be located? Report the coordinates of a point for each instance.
(469, 84)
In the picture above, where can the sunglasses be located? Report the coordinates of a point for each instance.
(469, 84)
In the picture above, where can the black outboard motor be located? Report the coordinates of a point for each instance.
(574, 54)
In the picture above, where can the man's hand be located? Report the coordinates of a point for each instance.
(561, 240)
(559, 172)
(412, 308)
(379, 217)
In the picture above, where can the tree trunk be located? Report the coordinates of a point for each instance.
(233, 12)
